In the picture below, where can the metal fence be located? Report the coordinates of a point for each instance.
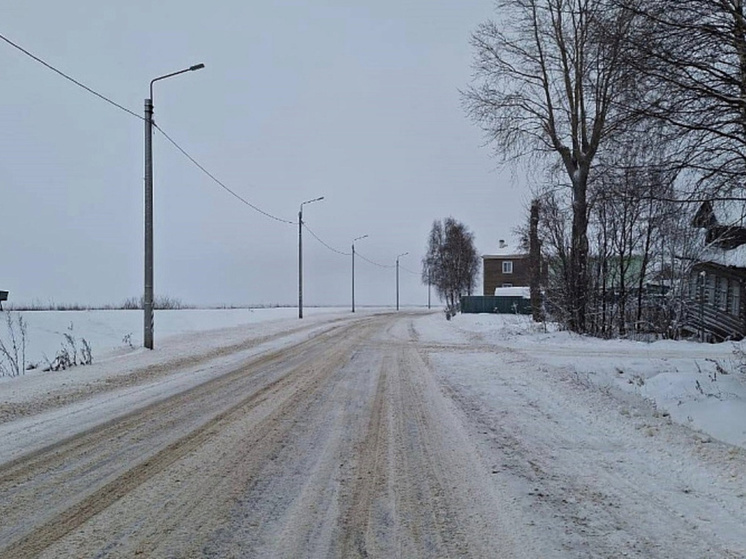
(495, 304)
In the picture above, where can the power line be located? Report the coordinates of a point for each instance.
(315, 236)
(128, 111)
(375, 263)
(69, 78)
(407, 270)
(218, 181)
(186, 154)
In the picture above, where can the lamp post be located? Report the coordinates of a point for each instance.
(353, 268)
(300, 254)
(148, 294)
(428, 287)
(397, 278)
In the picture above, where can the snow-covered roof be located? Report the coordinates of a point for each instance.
(729, 212)
(504, 250)
(511, 254)
(524, 292)
(735, 257)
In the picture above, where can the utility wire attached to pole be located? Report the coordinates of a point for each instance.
(369, 261)
(154, 125)
(218, 181)
(315, 236)
(69, 78)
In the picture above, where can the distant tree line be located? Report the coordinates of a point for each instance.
(636, 112)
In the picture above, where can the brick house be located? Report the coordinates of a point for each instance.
(505, 268)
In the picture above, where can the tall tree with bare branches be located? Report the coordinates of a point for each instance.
(548, 79)
(691, 63)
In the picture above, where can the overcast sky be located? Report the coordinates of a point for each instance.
(355, 101)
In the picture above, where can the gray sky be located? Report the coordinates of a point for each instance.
(354, 101)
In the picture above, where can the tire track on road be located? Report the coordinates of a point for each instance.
(48, 471)
(62, 397)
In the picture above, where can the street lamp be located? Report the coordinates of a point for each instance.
(353, 268)
(300, 254)
(148, 295)
(428, 286)
(397, 278)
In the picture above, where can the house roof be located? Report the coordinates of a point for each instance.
(734, 258)
(503, 254)
(729, 213)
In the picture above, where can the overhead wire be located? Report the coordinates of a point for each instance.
(218, 181)
(184, 152)
(315, 236)
(375, 263)
(141, 118)
(408, 270)
(357, 253)
(69, 78)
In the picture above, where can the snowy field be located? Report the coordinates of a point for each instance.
(697, 385)
(116, 332)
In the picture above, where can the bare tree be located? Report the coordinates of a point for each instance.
(554, 234)
(549, 78)
(691, 59)
(451, 263)
(534, 259)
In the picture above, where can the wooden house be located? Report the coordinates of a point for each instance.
(714, 292)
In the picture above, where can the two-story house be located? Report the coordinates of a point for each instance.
(506, 267)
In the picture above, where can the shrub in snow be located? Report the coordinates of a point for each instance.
(13, 346)
(69, 355)
(160, 302)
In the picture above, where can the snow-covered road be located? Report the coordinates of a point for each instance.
(390, 435)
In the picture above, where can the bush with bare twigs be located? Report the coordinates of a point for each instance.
(13, 346)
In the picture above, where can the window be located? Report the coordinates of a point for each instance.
(710, 290)
(694, 287)
(735, 298)
(507, 267)
(722, 296)
(507, 285)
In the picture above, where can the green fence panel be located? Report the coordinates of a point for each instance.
(475, 304)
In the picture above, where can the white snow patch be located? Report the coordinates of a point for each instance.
(698, 385)
(524, 292)
(114, 332)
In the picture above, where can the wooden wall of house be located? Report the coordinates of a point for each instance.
(717, 306)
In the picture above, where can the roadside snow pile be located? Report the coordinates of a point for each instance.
(116, 332)
(698, 385)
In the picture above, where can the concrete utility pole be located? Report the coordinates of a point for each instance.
(300, 254)
(397, 278)
(353, 268)
(428, 287)
(148, 291)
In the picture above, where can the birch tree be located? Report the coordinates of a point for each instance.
(451, 263)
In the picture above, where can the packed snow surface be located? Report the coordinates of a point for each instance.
(699, 385)
(379, 434)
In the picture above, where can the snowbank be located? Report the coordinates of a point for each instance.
(698, 385)
(114, 332)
